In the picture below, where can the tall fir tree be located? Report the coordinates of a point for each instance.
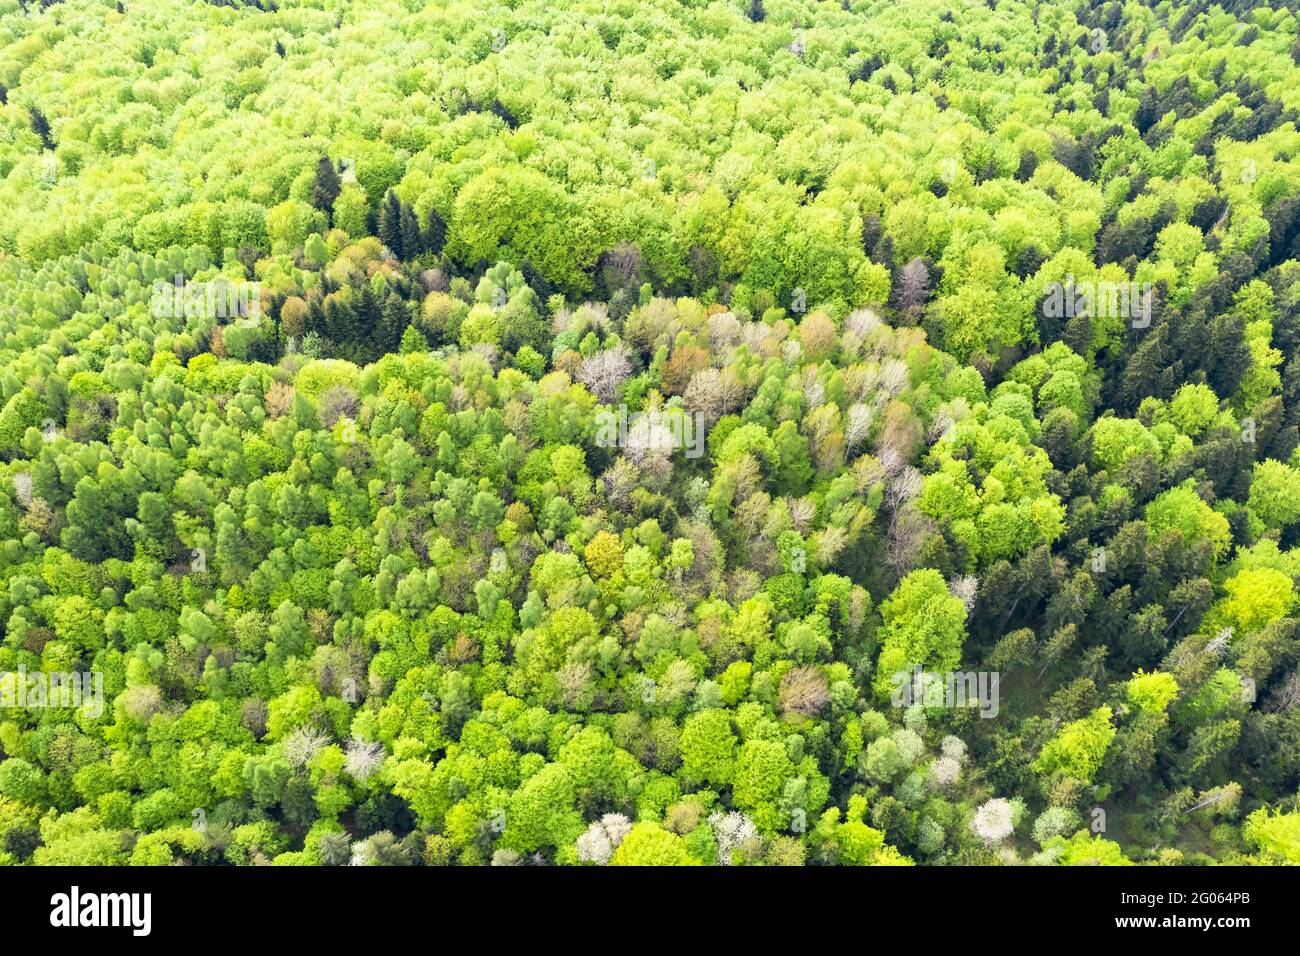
(390, 223)
(40, 126)
(339, 320)
(435, 232)
(408, 226)
(387, 333)
(326, 188)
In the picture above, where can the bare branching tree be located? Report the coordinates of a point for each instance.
(907, 534)
(858, 425)
(604, 372)
(913, 287)
(303, 744)
(1287, 694)
(804, 691)
(704, 395)
(738, 838)
(965, 587)
(599, 841)
(363, 758)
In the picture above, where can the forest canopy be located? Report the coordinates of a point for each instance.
(731, 432)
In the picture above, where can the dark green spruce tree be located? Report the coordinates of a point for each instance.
(326, 188)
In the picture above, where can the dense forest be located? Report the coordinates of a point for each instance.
(722, 432)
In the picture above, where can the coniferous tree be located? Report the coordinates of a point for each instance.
(390, 224)
(40, 126)
(326, 187)
(392, 322)
(503, 112)
(339, 321)
(408, 228)
(435, 232)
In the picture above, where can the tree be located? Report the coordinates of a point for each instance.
(924, 625)
(41, 127)
(326, 187)
(1275, 836)
(912, 288)
(391, 230)
(708, 747)
(604, 372)
(762, 770)
(1182, 509)
(1082, 850)
(1275, 493)
(435, 232)
(648, 844)
(412, 239)
(1079, 747)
